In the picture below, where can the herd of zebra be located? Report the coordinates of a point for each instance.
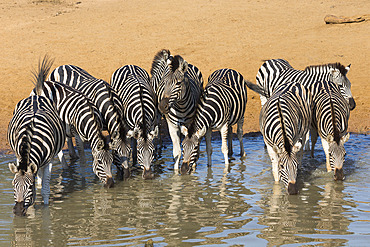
(72, 103)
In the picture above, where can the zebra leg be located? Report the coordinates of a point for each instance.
(62, 160)
(230, 140)
(71, 149)
(325, 146)
(80, 149)
(175, 137)
(209, 146)
(45, 190)
(274, 162)
(224, 149)
(314, 136)
(240, 137)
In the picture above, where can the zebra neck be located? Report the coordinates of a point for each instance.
(332, 114)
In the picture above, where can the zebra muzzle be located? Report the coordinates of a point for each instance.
(352, 104)
(292, 189)
(19, 209)
(339, 174)
(109, 183)
(185, 168)
(147, 174)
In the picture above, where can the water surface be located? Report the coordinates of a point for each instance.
(207, 208)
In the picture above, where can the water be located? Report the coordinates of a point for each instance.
(207, 208)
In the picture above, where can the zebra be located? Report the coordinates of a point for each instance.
(36, 134)
(178, 86)
(274, 72)
(105, 99)
(330, 121)
(222, 104)
(81, 117)
(132, 84)
(284, 121)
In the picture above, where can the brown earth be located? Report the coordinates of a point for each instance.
(102, 35)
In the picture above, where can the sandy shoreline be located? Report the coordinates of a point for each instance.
(103, 35)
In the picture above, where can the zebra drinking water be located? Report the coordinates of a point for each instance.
(284, 122)
(178, 86)
(81, 117)
(274, 72)
(330, 121)
(105, 99)
(36, 134)
(139, 111)
(222, 105)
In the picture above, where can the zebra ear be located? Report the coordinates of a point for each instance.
(348, 67)
(344, 138)
(100, 145)
(130, 134)
(184, 130)
(13, 168)
(32, 168)
(297, 146)
(155, 132)
(184, 66)
(200, 133)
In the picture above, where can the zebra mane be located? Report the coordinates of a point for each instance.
(287, 145)
(143, 122)
(40, 75)
(342, 69)
(160, 58)
(25, 149)
(333, 119)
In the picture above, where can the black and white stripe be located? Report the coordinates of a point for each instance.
(178, 86)
(132, 84)
(36, 134)
(222, 105)
(274, 72)
(284, 122)
(80, 114)
(104, 98)
(330, 121)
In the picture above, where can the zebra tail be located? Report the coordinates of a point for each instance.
(256, 88)
(40, 75)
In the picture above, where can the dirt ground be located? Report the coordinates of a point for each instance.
(103, 35)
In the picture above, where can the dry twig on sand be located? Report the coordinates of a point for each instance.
(332, 19)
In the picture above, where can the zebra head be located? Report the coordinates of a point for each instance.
(24, 187)
(190, 146)
(339, 74)
(120, 144)
(102, 163)
(174, 82)
(288, 165)
(336, 155)
(145, 151)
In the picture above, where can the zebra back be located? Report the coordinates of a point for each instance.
(101, 94)
(275, 72)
